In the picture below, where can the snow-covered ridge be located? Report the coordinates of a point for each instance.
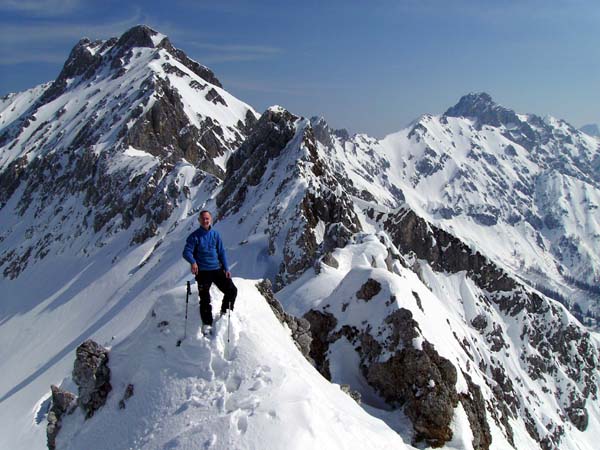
(246, 387)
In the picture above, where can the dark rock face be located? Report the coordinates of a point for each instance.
(92, 374)
(545, 329)
(414, 379)
(299, 326)
(280, 138)
(474, 405)
(81, 62)
(138, 36)
(10, 179)
(482, 107)
(63, 402)
(321, 326)
(418, 380)
(271, 134)
(165, 131)
(369, 290)
(444, 252)
(128, 393)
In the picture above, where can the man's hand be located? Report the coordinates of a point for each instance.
(227, 274)
(194, 269)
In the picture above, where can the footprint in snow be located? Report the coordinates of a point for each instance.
(233, 382)
(209, 443)
(261, 378)
(240, 420)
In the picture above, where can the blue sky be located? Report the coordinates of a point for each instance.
(368, 66)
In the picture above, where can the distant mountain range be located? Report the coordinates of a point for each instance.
(591, 129)
(446, 275)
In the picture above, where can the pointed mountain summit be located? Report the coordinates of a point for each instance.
(481, 107)
(118, 128)
(485, 171)
(87, 57)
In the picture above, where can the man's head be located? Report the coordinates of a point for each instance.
(205, 219)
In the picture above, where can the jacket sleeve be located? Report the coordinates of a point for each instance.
(221, 253)
(188, 250)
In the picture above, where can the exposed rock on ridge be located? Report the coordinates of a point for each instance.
(546, 344)
(282, 151)
(92, 375)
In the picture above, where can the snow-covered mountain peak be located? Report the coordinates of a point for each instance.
(481, 107)
(484, 171)
(131, 125)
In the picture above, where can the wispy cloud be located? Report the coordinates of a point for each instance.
(41, 8)
(41, 41)
(51, 31)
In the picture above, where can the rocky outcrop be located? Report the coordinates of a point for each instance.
(126, 395)
(412, 234)
(369, 290)
(474, 405)
(298, 326)
(547, 337)
(280, 163)
(10, 179)
(321, 326)
(481, 106)
(165, 131)
(63, 402)
(92, 375)
(416, 379)
(246, 166)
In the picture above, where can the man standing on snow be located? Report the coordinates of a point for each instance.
(205, 252)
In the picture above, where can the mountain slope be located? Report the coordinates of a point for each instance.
(486, 302)
(114, 133)
(87, 199)
(522, 189)
(255, 391)
(388, 248)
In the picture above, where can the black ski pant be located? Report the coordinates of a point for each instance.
(205, 279)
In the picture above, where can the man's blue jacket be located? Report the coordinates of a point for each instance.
(205, 248)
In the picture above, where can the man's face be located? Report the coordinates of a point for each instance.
(205, 220)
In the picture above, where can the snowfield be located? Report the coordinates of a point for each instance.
(246, 387)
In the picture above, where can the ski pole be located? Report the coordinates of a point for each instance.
(228, 325)
(187, 299)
